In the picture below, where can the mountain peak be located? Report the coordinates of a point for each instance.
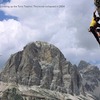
(43, 65)
(83, 64)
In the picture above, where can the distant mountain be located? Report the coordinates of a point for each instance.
(42, 69)
(91, 78)
(82, 65)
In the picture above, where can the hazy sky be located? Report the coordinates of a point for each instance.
(63, 23)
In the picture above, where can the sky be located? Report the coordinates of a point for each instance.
(63, 23)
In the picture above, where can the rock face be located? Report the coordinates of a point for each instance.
(12, 94)
(20, 92)
(42, 64)
(91, 78)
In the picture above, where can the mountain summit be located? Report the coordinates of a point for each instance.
(42, 64)
(41, 69)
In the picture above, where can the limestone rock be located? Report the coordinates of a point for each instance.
(90, 78)
(42, 64)
(21, 92)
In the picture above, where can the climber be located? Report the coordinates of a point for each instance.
(94, 25)
(97, 5)
(98, 32)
